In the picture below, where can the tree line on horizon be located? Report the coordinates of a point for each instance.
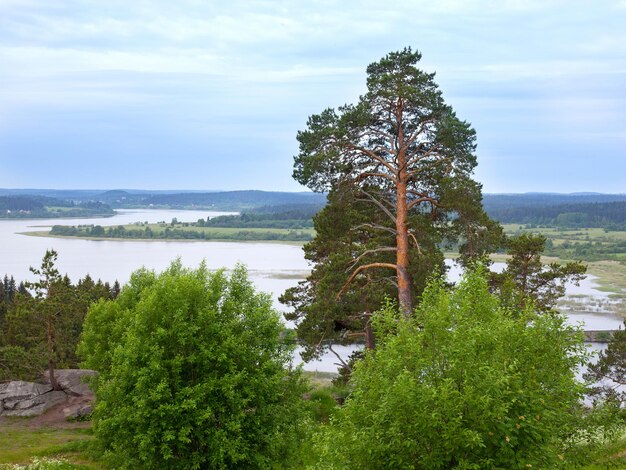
(608, 215)
(42, 206)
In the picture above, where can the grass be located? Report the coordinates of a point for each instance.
(610, 456)
(611, 276)
(215, 231)
(59, 208)
(21, 442)
(73, 447)
(320, 379)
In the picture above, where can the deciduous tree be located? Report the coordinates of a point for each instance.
(462, 384)
(194, 373)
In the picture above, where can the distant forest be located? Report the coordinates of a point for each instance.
(272, 209)
(498, 201)
(608, 215)
(234, 200)
(12, 207)
(293, 216)
(291, 222)
(120, 199)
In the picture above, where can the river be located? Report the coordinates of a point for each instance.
(273, 267)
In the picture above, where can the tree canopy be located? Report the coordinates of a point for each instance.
(40, 327)
(398, 169)
(526, 280)
(194, 373)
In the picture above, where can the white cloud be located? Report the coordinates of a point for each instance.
(221, 63)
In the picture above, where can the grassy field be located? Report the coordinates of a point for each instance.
(22, 440)
(587, 244)
(23, 443)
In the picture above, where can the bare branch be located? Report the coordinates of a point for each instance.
(411, 138)
(414, 202)
(371, 155)
(373, 130)
(369, 252)
(420, 156)
(391, 280)
(366, 174)
(319, 344)
(378, 203)
(362, 268)
(343, 363)
(377, 227)
(417, 245)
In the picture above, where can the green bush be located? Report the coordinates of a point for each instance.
(193, 374)
(465, 383)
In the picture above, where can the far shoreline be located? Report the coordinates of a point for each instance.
(198, 240)
(101, 216)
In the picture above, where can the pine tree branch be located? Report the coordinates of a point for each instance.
(369, 252)
(362, 268)
(343, 363)
(377, 227)
(379, 204)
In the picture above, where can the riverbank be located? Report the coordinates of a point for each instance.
(177, 240)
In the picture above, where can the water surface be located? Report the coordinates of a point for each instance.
(273, 267)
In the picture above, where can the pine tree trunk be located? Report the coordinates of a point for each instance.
(370, 342)
(402, 232)
(402, 235)
(402, 257)
(53, 381)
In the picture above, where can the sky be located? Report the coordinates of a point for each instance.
(209, 95)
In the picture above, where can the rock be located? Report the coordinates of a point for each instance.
(71, 380)
(78, 408)
(19, 398)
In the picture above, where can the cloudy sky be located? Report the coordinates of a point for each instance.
(209, 94)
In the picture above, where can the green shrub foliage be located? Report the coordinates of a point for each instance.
(464, 383)
(193, 373)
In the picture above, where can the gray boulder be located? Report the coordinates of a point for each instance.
(19, 398)
(72, 381)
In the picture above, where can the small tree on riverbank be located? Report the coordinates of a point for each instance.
(609, 372)
(528, 281)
